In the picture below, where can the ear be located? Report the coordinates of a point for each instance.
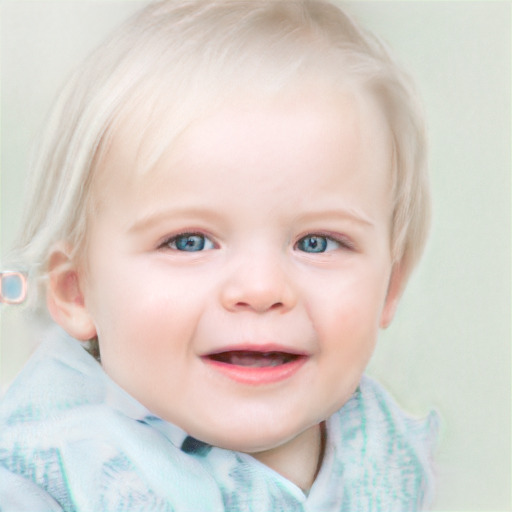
(395, 289)
(64, 296)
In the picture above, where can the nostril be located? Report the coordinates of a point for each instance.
(257, 295)
(259, 306)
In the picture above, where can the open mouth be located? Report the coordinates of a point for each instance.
(254, 359)
(256, 367)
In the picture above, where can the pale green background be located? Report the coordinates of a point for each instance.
(449, 347)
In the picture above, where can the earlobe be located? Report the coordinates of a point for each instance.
(395, 288)
(64, 296)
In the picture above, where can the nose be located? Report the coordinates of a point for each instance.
(258, 283)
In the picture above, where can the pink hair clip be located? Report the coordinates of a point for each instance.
(13, 287)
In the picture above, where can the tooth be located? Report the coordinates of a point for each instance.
(254, 359)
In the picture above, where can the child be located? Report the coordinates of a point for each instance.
(227, 204)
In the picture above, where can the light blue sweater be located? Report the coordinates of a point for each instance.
(71, 439)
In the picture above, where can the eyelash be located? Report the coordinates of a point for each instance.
(205, 243)
(341, 243)
(187, 235)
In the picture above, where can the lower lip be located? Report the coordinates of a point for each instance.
(257, 375)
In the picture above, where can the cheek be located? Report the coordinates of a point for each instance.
(149, 307)
(356, 293)
(347, 312)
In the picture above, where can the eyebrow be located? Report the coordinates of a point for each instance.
(158, 216)
(350, 214)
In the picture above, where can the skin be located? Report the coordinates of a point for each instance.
(252, 180)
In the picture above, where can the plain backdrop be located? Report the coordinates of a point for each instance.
(449, 347)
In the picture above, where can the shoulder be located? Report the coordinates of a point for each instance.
(19, 494)
(381, 409)
(386, 454)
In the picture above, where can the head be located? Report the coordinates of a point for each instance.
(236, 107)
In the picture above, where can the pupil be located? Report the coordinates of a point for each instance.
(313, 244)
(190, 243)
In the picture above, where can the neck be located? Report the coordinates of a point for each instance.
(298, 460)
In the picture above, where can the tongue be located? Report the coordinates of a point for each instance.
(254, 359)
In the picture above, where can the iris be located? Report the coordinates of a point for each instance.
(313, 243)
(190, 242)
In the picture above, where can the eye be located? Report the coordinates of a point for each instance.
(319, 243)
(189, 242)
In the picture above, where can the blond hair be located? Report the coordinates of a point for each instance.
(179, 58)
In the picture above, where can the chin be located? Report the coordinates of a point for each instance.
(253, 440)
(246, 443)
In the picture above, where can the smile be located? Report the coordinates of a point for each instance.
(256, 367)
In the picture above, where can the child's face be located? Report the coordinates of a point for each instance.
(238, 287)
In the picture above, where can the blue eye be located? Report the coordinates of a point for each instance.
(317, 244)
(189, 242)
(312, 243)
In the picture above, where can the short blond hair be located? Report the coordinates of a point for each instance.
(182, 57)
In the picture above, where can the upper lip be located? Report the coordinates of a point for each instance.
(261, 348)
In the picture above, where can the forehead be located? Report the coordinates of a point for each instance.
(249, 127)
